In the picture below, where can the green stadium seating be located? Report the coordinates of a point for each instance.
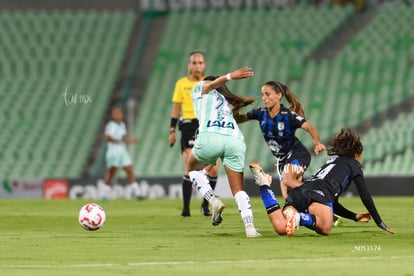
(274, 42)
(46, 53)
(394, 141)
(370, 75)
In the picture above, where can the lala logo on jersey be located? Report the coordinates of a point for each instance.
(222, 124)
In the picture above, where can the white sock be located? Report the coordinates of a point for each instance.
(105, 190)
(200, 180)
(245, 208)
(128, 192)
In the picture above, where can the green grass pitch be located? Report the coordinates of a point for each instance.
(43, 237)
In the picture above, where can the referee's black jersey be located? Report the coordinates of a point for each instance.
(335, 177)
(278, 132)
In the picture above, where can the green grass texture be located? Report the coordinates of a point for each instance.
(148, 237)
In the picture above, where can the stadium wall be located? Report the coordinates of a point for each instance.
(70, 5)
(167, 187)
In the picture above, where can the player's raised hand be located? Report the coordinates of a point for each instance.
(241, 73)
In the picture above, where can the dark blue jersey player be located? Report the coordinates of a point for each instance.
(278, 125)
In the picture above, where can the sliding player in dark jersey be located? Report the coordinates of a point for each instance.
(313, 203)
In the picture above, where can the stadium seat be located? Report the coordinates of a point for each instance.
(275, 44)
(48, 52)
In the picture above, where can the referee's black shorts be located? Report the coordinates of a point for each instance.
(188, 128)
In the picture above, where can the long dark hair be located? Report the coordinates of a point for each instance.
(346, 143)
(293, 100)
(236, 101)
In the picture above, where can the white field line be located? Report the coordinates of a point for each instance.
(208, 262)
(275, 260)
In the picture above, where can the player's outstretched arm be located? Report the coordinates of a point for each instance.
(131, 141)
(383, 226)
(241, 73)
(239, 117)
(363, 217)
(319, 147)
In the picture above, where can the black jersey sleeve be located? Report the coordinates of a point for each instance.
(343, 212)
(367, 199)
(296, 120)
(253, 114)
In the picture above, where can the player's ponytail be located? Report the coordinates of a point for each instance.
(293, 100)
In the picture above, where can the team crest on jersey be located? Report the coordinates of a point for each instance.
(280, 128)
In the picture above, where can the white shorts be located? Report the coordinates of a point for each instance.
(231, 150)
(117, 159)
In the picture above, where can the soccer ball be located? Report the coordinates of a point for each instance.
(92, 216)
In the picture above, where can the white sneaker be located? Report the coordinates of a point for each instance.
(136, 191)
(293, 220)
(261, 178)
(251, 232)
(218, 207)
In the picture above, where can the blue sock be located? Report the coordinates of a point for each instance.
(307, 220)
(269, 199)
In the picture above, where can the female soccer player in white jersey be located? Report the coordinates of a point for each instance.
(117, 155)
(220, 137)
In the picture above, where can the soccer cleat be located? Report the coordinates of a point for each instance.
(261, 178)
(293, 219)
(251, 232)
(337, 221)
(218, 207)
